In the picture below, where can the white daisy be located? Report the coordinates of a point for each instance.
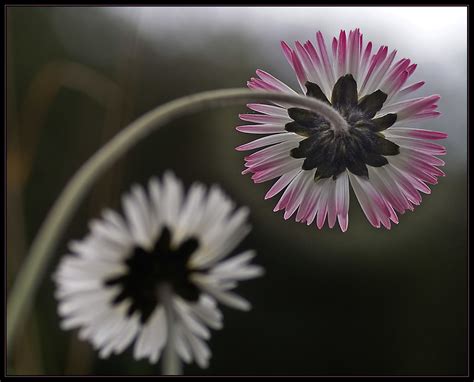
(126, 279)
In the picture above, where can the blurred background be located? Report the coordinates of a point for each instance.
(367, 302)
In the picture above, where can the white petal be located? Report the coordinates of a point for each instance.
(188, 319)
(227, 298)
(181, 345)
(200, 349)
(153, 336)
(208, 313)
(172, 199)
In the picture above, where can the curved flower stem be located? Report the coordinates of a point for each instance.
(34, 266)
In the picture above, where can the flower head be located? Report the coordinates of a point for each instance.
(378, 152)
(126, 279)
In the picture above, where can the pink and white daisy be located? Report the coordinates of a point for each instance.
(378, 152)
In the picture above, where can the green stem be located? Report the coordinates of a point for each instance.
(34, 266)
(171, 364)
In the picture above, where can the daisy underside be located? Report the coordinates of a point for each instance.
(161, 269)
(379, 152)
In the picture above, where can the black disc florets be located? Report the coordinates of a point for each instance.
(146, 270)
(330, 151)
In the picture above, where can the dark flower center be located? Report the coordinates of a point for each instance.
(332, 152)
(148, 269)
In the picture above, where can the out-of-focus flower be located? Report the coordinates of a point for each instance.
(164, 259)
(379, 153)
